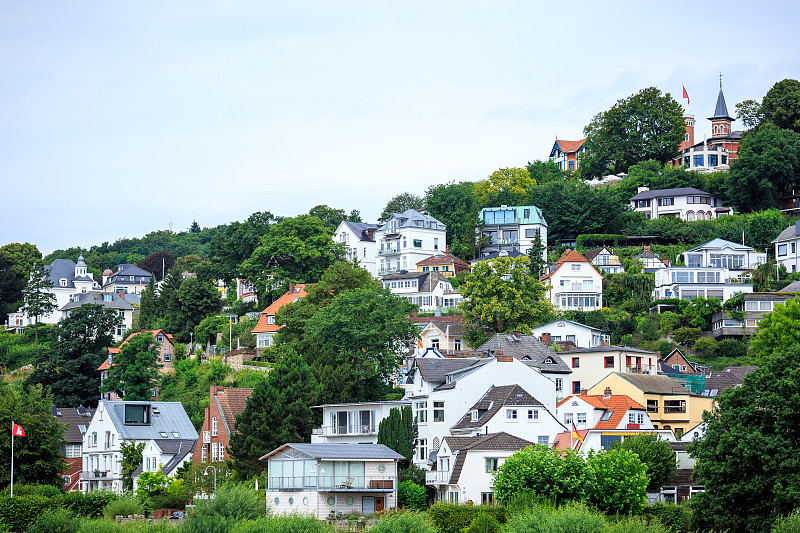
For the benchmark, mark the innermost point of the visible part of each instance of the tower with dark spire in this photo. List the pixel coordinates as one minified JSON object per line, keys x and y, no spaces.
{"x":721,"y":121}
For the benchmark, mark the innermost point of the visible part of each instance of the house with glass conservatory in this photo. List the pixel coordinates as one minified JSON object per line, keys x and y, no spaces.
{"x":328,"y":479}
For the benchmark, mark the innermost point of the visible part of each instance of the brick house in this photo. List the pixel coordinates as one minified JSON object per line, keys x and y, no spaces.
{"x":266,"y":327}
{"x":166,"y":353}
{"x":219,"y":423}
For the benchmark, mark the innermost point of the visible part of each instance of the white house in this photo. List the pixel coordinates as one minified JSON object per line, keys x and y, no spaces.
{"x":108,"y":300}
{"x":428,"y":290}
{"x":531,"y":351}
{"x":590,"y":365}
{"x":127,"y":278}
{"x":650,"y":261}
{"x":605,"y":260}
{"x":465,"y":466}
{"x":406,"y":239}
{"x":445,"y":334}
{"x":165,"y":425}
{"x":719,"y":253}
{"x":512,"y":228}
{"x":710,"y":282}
{"x":603,"y":411}
{"x":266,"y":327}
{"x":358,"y":239}
{"x":353,"y":423}
{"x":566,"y":330}
{"x":686,"y":203}
{"x":574,"y":283}
{"x":786,"y":247}
{"x":328,"y":479}
{"x":603,"y":439}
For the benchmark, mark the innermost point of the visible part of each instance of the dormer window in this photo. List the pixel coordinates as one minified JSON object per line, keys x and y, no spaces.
{"x":549,"y":361}
{"x":137,"y":414}
{"x":606,"y":416}
{"x":474,"y":415}
{"x":270,"y":319}
{"x":108,"y":297}
{"x":159,"y":338}
{"x":62,"y":282}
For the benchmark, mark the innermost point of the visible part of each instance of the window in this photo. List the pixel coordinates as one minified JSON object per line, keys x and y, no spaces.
{"x":640,"y":418}
{"x":135,"y":414}
{"x":511,"y":414}
{"x":526,"y":213}
{"x":588,"y":285}
{"x":712,"y":160}
{"x":652,"y":406}
{"x":121,"y":330}
{"x":492,"y":464}
{"x":609,"y":361}
{"x":422,"y":449}
{"x":781,"y":249}
{"x":487,"y":498}
{"x":559,"y":384}
{"x":473,"y":415}
{"x":270,"y":319}
{"x":581,"y":418}
{"x":159,"y":338}
{"x":576,"y":387}
{"x":570,"y":338}
{"x":457,"y":344}
{"x":167,"y":357}
{"x":531,"y":233}
{"x":533,"y":414}
{"x":438,"y":411}
{"x":543,"y":440}
{"x":697,"y":162}
{"x":674,"y":406}
{"x":426,"y":269}
{"x":214,"y":426}
{"x":422,"y":412}
{"x":453,"y":496}
{"x":417,"y":243}
{"x":568,"y":417}
{"x":606,"y":416}
{"x":435,"y":243}
{"x":576,"y":362}
{"x":631,"y":418}
{"x":213,"y":452}
{"x":107,"y":297}
{"x":576,"y":267}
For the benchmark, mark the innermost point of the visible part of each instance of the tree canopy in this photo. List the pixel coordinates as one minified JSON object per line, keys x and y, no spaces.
{"x":781,"y":105}
{"x":504,"y":186}
{"x":134,"y":372}
{"x":654,"y":452}
{"x":401,"y":203}
{"x":16,"y":262}
{"x":37,"y":299}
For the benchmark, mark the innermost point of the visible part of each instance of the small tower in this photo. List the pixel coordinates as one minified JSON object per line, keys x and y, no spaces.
{"x":80,"y":267}
{"x":688,"y":139}
{"x":721,"y":121}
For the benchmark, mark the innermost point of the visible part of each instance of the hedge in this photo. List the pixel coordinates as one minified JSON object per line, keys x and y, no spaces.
{"x":257,"y":363}
{"x":18,"y":513}
{"x":452,"y":518}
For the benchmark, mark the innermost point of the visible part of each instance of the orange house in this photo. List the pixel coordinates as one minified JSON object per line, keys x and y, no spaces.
{"x":266,"y":327}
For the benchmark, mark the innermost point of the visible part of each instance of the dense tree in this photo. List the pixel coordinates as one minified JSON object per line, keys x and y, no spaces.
{"x":329,"y":216}
{"x":37,"y":299}
{"x":195,"y":227}
{"x":149,"y":311}
{"x":68,"y":371}
{"x":749,"y":112}
{"x":504,"y":186}
{"x":544,"y":171}
{"x":131,"y":460}
{"x":768,"y":166}
{"x":228,"y":249}
{"x":549,"y":474}
{"x":454,"y":205}
{"x":135,"y":369}
{"x":198,"y":299}
{"x":158,"y":263}
{"x":781,"y":105}
{"x":616,"y":481}
{"x":499,"y":296}
{"x":777,"y":330}
{"x":398,"y":431}
{"x":400,"y":204}
{"x":537,"y":256}
{"x":16,"y":262}
{"x":37,"y":456}
{"x":748,"y":459}
{"x":295,"y":250}
{"x":279,"y":411}
{"x":646,"y":125}
{"x":654,"y":452}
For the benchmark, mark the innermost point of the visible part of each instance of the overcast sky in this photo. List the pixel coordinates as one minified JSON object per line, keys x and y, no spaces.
{"x":121,"y":118}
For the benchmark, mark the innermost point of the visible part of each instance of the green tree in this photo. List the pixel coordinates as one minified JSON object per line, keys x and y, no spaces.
{"x":195,"y":227}
{"x":686,"y":336}
{"x":412,"y":496}
{"x":700,"y":311}
{"x":135,"y":369}
{"x":230,"y":248}
{"x":747,"y":461}
{"x":454,"y":205}
{"x":749,"y":112}
{"x":37,"y":456}
{"x":279,"y":411}
{"x":777,"y":330}
{"x":509,"y":184}
{"x":295,"y":250}
{"x":768,"y":166}
{"x":781,"y":105}
{"x":646,"y":125}
{"x":548,"y":474}
{"x":400,"y":204}
{"x":158,"y":263}
{"x":149,"y":311}
{"x":536,"y":256}
{"x":329,"y":216}
{"x":616,"y":481}
{"x":501,"y":296}
{"x":654,"y":452}
{"x":38,"y":300}
{"x":398,"y":431}
{"x":131,"y":460}
{"x":198,"y":299}
{"x":16,"y":262}
{"x":631,"y":291}
{"x":68,"y":371}
{"x":667,"y":322}
{"x":705,"y":346}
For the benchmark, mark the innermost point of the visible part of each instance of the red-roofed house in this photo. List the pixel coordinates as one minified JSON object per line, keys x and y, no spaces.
{"x":444,"y":262}
{"x":575,"y":283}
{"x":266,"y":327}
{"x":567,"y":154}
{"x":220,"y":423}
{"x":166,"y":351}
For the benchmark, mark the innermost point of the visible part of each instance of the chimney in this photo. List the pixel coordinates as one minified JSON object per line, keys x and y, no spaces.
{"x":646,"y":247}
{"x":607,"y":392}
{"x":414,"y":313}
{"x":546,"y":338}
{"x":121,"y":293}
{"x":642,"y":189}
{"x":498,"y":352}
{"x":584,"y":392}
{"x":291,"y":287}
{"x":517,"y":334}
{"x":605,"y":343}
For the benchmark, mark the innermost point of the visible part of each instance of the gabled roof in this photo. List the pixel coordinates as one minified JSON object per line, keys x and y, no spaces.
{"x":436,"y":370}
{"x":263,"y":325}
{"x":114,"y":301}
{"x":426,"y":281}
{"x":409,"y":219}
{"x":494,"y":400}
{"x":338,"y":452}
{"x":528,"y":349}
{"x":230,"y":403}
{"x":660,"y":193}
{"x":446,"y":328}
{"x":494,"y":441}
{"x":570,"y":322}
{"x":361,"y":230}
{"x":74,"y":420}
{"x":655,"y":384}
{"x":792,"y":287}
{"x":444,"y":258}
{"x":171,"y":417}
{"x":792,"y":232}
{"x":178,"y":448}
{"x":569,"y":256}
{"x":717,"y":244}
{"x":74,"y":467}
{"x":618,"y":404}
{"x":591,"y":254}
{"x":65,"y":268}
{"x":566,"y":146}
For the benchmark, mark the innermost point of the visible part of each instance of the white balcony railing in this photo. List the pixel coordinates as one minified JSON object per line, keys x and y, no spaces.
{"x":333,"y":483}
{"x":437,"y":477}
{"x":356,"y":429}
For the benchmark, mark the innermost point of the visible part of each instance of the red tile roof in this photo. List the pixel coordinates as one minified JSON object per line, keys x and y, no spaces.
{"x":569,"y":146}
{"x":297,"y":292}
{"x":74,"y":466}
{"x":619,"y":404}
{"x":444,"y":258}
{"x":570,"y":256}
{"x":563,"y":441}
{"x":231,"y":403}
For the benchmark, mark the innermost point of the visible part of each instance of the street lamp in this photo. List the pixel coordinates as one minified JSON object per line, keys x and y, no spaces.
{"x":215,"y":476}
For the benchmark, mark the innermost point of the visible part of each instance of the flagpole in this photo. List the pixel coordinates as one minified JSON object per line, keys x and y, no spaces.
{"x":12,"y":458}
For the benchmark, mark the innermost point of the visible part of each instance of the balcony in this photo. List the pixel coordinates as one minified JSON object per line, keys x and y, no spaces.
{"x":389,"y":251}
{"x":93,"y":475}
{"x":640,"y":369}
{"x":437,"y":477}
{"x":357,"y":429}
{"x":578,"y":288}
{"x":334,"y":483}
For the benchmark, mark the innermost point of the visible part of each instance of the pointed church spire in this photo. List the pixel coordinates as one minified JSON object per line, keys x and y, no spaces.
{"x":721,"y":111}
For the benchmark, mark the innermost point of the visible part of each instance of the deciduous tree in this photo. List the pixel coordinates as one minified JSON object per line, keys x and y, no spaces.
{"x":781,"y":105}
{"x":506,"y":186}
{"x":38,"y":300}
{"x":654,"y":452}
{"x":135,"y":369}
{"x":401,"y":203}
{"x":455,"y":206}
{"x":131,"y":460}
{"x":158,"y":263}
{"x":16,"y":262}
{"x":777,"y":330}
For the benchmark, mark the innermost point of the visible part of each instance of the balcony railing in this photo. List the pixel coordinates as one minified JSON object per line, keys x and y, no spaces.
{"x":437,"y":477}
{"x":578,"y":289}
{"x":355,"y":429}
{"x":389,"y":251}
{"x":334,"y":483}
{"x":640,"y":369}
{"x":95,"y":474}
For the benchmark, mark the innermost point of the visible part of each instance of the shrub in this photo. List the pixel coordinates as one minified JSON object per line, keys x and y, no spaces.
{"x":627,"y":340}
{"x":686,"y":336}
{"x":572,"y":517}
{"x":676,"y":518}
{"x":124,"y":506}
{"x":403,"y":523}
{"x":483,"y":523}
{"x":731,"y":348}
{"x":58,"y":521}
{"x":88,"y":504}
{"x":452,"y":518}
{"x":787,"y":524}
{"x":411,"y":495}
{"x":637,"y":524}
{"x":667,"y":322}
{"x":545,"y":472}
{"x":282,"y":524}
{"x":16,"y":513}
{"x":231,"y":503}
{"x":705,"y":346}
{"x":616,"y":481}
{"x":27,"y":489}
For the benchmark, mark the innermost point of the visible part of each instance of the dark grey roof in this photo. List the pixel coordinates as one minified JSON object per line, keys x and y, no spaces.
{"x":792,"y":287}
{"x":612,"y":348}
{"x":792,"y":232}
{"x":171,"y":418}
{"x":660,"y":193}
{"x":178,"y":448}
{"x":99,"y":298}
{"x":125,"y":271}
{"x":360,"y":229}
{"x":73,"y":420}
{"x":409,"y":218}
{"x":721,"y":110}
{"x":494,"y":400}
{"x":426,"y":281}
{"x":63,"y":268}
{"x":655,"y":384}
{"x":436,"y":370}
{"x":493,"y":441}
{"x":528,"y":349}
{"x":339,"y":451}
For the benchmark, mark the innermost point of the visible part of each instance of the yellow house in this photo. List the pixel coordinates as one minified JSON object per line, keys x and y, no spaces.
{"x":669,"y":404}
{"x":446,"y":263}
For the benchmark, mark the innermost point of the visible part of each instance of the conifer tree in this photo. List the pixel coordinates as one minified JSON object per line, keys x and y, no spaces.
{"x":398,"y":431}
{"x":38,"y":300}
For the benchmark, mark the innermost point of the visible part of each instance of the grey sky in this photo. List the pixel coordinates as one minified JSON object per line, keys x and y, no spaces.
{"x":119,"y":118}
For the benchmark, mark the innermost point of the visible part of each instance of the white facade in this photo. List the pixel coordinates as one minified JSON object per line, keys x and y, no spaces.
{"x":687,"y":283}
{"x":428,"y":290}
{"x":358,"y":240}
{"x":606,"y":261}
{"x":685,"y":203}
{"x":513,"y":228}
{"x":602,"y":439}
{"x":406,"y":239}
{"x":720,"y":253}
{"x":787,"y":248}
{"x":587,"y":412}
{"x":590,"y":365}
{"x":568,"y":331}
{"x":575,"y":284}
{"x":353,"y":423}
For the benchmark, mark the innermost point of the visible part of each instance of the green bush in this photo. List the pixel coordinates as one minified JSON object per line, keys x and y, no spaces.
{"x":411,"y":495}
{"x":49,"y":491}
{"x":686,"y":336}
{"x":705,"y":346}
{"x":452,"y":518}
{"x":16,"y":514}
{"x":676,"y":518}
{"x":616,"y":481}
{"x":637,"y":524}
{"x":231,"y":503}
{"x":58,"y":521}
{"x":124,"y":506}
{"x":282,"y":524}
{"x":403,"y":523}
{"x":569,"y":518}
{"x":787,"y":524}
{"x":483,"y":523}
{"x":731,"y":348}
{"x":88,"y":504}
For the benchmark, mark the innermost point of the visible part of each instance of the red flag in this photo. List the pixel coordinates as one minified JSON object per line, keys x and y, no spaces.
{"x":685,"y":95}
{"x":17,"y":430}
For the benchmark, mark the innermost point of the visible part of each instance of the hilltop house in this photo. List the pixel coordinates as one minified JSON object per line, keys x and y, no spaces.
{"x":445,"y":334}
{"x":686,"y":203}
{"x":266,"y":327}
{"x":353,"y":423}
{"x":126,"y":278}
{"x":574,"y":283}
{"x":109,"y":300}
{"x":580,"y":335}
{"x":719,"y":253}
{"x":786,"y":247}
{"x":359,"y":242}
{"x":567,"y":154}
{"x":605,"y":260}
{"x":428,"y":290}
{"x":406,"y":239}
{"x":512,"y":228}
{"x":444,"y":262}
